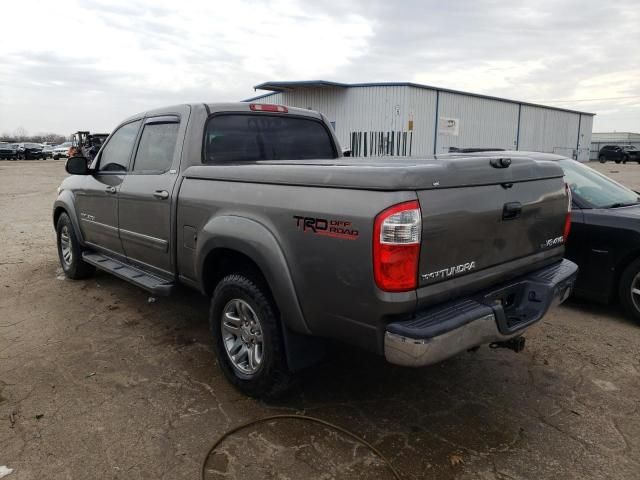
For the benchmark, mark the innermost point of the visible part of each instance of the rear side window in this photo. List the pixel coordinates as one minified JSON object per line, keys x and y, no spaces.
{"x":253,"y":137}
{"x":156,"y":149}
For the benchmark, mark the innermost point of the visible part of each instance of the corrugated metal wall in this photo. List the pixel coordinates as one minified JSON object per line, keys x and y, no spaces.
{"x":551,"y":131}
{"x":401,"y":120}
{"x":482,"y":122}
{"x":616,"y":137}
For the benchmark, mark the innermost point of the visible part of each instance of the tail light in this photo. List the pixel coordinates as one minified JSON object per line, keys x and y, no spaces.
{"x":567,"y":218}
{"x":396,"y":247}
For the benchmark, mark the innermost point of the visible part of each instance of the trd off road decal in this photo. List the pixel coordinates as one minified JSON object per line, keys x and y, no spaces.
{"x":326,"y":227}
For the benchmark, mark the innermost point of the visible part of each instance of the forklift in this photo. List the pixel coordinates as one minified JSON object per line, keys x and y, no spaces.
{"x":88,"y":144}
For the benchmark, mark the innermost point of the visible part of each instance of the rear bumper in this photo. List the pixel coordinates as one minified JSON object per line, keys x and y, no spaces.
{"x":494,"y":315}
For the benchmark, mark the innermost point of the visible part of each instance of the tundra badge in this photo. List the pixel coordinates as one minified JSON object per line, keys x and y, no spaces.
{"x":450,"y":271}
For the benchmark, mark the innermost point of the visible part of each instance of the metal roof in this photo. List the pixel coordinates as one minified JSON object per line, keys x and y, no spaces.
{"x":291,"y":85}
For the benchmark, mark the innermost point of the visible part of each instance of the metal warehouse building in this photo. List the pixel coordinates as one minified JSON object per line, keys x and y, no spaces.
{"x":374,"y":119}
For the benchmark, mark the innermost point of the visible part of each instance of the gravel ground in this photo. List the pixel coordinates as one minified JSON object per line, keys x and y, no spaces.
{"x":97,"y":382}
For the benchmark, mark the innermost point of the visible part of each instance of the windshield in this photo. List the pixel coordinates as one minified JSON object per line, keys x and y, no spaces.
{"x":32,"y":145}
{"x":595,"y":189}
{"x":629,"y":147}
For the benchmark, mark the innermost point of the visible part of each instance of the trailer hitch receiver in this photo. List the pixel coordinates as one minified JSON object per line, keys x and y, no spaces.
{"x":516,"y":344}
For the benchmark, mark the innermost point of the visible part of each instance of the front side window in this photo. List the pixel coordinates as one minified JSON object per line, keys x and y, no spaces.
{"x":156,"y":149}
{"x":255,"y":137}
{"x":116,"y":153}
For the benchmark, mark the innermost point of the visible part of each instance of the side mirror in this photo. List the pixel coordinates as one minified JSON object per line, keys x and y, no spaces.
{"x":346,"y":152}
{"x":77,"y":166}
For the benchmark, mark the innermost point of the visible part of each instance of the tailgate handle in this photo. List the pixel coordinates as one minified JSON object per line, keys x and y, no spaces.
{"x":511,"y":210}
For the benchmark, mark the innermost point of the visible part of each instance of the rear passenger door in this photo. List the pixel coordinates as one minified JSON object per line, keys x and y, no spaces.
{"x":146,"y":196}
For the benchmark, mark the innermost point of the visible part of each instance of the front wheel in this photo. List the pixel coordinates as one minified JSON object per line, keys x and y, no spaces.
{"x":629,"y":290}
{"x":69,"y":251}
{"x":618,"y":160}
{"x":602,"y":159}
{"x":247,"y":338}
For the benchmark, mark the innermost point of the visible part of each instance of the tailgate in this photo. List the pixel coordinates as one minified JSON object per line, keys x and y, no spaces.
{"x":470,"y":228}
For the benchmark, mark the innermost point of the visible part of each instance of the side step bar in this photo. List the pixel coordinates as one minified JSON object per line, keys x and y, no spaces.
{"x":142,"y":279}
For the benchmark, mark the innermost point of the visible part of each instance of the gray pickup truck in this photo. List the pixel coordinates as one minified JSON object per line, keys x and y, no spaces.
{"x":255,"y":206}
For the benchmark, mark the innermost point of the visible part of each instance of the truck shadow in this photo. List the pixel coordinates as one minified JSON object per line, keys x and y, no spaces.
{"x":487,"y":411}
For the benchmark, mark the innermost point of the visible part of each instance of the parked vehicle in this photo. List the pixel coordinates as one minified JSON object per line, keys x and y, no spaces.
{"x":254,"y":206}
{"x":8,"y":151}
{"x":47,"y":151}
{"x":605,"y":234}
{"x":61,"y":151}
{"x":30,"y":151}
{"x":619,"y":153}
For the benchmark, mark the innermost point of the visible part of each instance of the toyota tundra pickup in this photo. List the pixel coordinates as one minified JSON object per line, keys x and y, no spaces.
{"x":254,"y":205}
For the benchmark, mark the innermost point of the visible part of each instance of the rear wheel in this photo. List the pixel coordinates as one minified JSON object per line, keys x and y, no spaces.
{"x":69,"y":251}
{"x":618,"y":160}
{"x":602,"y":159}
{"x":629,"y":290}
{"x":247,"y":337}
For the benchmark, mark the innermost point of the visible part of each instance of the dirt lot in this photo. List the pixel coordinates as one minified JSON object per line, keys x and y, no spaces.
{"x":96,"y":382}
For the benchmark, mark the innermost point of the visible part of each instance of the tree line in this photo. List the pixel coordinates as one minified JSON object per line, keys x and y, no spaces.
{"x":20,"y":135}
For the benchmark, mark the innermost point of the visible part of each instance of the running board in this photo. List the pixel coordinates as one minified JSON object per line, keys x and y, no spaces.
{"x":142,"y":279}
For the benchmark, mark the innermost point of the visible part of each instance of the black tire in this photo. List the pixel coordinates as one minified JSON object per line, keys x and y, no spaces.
{"x":629,"y":281}
{"x":74,"y":268}
{"x":625,"y":159}
{"x":272,"y":377}
{"x":602,"y":159}
{"x":617,"y":160}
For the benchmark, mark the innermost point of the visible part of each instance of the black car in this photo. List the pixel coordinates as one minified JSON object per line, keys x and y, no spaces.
{"x":619,"y":153}
{"x":30,"y":151}
{"x":604,"y":239}
{"x":8,"y":151}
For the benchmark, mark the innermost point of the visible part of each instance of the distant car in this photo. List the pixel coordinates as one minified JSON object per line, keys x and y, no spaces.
{"x":47,"y":151}
{"x":61,"y":151}
{"x":30,"y":151}
{"x":605,"y":234}
{"x":8,"y":151}
{"x":619,"y":153}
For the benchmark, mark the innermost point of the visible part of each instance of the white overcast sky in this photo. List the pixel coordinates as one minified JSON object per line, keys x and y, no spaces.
{"x":67,"y":65}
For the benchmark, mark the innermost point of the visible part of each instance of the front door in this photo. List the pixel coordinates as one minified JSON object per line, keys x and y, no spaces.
{"x":145,"y":198}
{"x":97,"y":199}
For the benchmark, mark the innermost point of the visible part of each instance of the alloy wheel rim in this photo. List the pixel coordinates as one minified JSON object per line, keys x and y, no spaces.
{"x":65,"y":246}
{"x":242,"y":336}
{"x":635,"y":291}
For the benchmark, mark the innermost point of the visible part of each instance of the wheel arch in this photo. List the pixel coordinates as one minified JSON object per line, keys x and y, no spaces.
{"x":622,"y":265}
{"x":233,"y":243}
{"x":64,"y":204}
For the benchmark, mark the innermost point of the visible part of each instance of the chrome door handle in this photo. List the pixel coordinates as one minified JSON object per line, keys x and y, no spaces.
{"x":161,"y":194}
{"x":110,"y":190}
